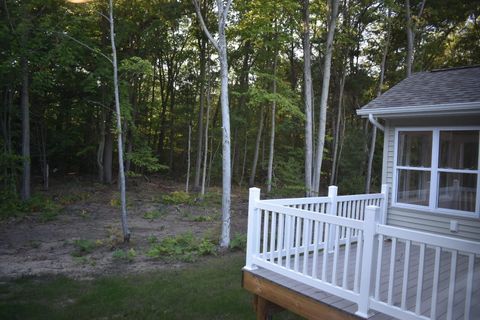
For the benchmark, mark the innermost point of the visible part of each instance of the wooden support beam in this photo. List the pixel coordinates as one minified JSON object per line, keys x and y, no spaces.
{"x":265,"y":309}
{"x":269,"y":293}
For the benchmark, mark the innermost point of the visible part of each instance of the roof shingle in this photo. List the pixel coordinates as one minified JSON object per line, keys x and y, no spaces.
{"x":438,"y":87}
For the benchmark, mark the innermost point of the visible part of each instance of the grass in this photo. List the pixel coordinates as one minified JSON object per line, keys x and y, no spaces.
{"x":210,"y":289}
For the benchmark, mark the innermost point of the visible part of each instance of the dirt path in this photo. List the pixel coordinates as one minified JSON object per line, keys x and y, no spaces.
{"x":90,"y":219}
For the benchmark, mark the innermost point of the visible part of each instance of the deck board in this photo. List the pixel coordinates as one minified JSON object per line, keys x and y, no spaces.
{"x":413,"y":271}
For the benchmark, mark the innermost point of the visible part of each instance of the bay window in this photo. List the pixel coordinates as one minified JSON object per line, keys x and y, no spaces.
{"x":438,"y":170}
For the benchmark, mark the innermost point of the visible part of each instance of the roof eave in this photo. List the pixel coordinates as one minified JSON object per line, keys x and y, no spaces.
{"x":468,"y":108}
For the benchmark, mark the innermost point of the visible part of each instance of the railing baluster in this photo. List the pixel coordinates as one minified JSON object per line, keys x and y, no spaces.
{"x":418,"y":302}
{"x":335,"y":255}
{"x":451,"y":286}
{"x":379,"y":266}
{"x":406,"y":265}
{"x":288,"y":239}
{"x":265,"y":234}
{"x":259,"y":224}
{"x":316,"y":232}
{"x":468,"y":297}
{"x":306,"y":243}
{"x":325,"y":252}
{"x":436,"y":274}
{"x":273,"y":233}
{"x":281,"y":222}
{"x":346,"y":257}
{"x":297,"y":243}
{"x":356,"y":281}
{"x":391,"y":273}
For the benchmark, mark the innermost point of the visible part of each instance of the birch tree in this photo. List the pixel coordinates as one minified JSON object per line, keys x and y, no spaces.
{"x":333,"y":4}
{"x":121,"y":171}
{"x":220,"y":45}
{"x":114,"y":62}
{"x":410,"y":27}
{"x":307,"y":87}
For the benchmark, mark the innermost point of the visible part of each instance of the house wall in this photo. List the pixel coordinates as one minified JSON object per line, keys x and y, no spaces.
{"x":468,"y":228}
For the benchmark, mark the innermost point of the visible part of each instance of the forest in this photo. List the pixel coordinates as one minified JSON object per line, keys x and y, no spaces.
{"x":296,"y":73}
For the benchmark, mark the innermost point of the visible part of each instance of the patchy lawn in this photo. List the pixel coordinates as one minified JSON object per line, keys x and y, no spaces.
{"x":209,"y":289}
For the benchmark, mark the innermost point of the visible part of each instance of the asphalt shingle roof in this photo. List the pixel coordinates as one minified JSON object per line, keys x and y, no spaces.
{"x":438,"y":87}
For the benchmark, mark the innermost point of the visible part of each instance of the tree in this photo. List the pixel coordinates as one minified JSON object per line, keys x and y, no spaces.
{"x":221,"y":46}
{"x":324,"y":97}
{"x":121,"y":170}
{"x":308,"y":99}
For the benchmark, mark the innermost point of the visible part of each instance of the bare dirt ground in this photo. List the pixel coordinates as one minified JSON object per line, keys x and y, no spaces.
{"x":29,"y":246}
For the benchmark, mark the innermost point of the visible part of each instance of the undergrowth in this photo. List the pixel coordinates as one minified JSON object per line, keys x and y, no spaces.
{"x":185,"y":247}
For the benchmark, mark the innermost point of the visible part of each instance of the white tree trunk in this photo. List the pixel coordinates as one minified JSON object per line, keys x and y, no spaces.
{"x":121,"y":172}
{"x":188,"y":157}
{"x":205,"y":152}
{"x":221,"y":46}
{"x":307,"y":75}
{"x":25,"y":107}
{"x":324,"y":96}
{"x":272,"y":129}
{"x":410,"y":38}
{"x":337,"y":126}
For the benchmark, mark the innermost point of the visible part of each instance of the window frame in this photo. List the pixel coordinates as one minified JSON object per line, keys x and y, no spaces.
{"x":434,"y":173}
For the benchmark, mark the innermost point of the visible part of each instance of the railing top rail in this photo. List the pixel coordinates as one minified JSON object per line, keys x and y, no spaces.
{"x":351,"y":223}
{"x":308,"y":200}
{"x":445,"y":242}
{"x":361,"y":197}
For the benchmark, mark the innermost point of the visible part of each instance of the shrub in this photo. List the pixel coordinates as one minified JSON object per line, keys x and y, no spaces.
{"x":185,"y":247}
{"x":126,"y":255}
{"x":178,"y":197}
{"x":239,"y":242}
{"x":153,"y":214}
{"x":83,"y":247}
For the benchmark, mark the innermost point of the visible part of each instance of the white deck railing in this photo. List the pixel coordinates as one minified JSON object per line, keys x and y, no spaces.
{"x":338,"y":244}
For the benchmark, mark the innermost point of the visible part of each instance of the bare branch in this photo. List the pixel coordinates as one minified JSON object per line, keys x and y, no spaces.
{"x":226,"y":8}
{"x":85,"y":45}
{"x":203,"y":26}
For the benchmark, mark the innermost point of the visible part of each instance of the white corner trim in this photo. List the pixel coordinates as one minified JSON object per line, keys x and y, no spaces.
{"x":437,"y":109}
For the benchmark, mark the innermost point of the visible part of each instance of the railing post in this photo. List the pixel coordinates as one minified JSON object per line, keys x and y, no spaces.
{"x":332,"y":194}
{"x":383,"y":213}
{"x":369,"y":258}
{"x":253,"y":229}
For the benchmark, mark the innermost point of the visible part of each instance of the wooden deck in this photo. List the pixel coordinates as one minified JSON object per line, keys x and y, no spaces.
{"x":346,"y":277}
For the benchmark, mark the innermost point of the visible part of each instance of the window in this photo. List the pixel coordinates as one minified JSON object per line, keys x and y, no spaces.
{"x":438,"y":170}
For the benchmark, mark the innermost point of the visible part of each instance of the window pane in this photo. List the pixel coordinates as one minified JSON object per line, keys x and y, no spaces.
{"x":457,"y":191}
{"x":458,"y":149}
{"x":413,"y":187}
{"x":415,"y":148}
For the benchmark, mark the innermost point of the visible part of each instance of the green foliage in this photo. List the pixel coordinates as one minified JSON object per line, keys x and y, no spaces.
{"x":154,"y":214}
{"x":152,"y":239}
{"x":125,"y":255}
{"x":239,"y":242}
{"x":83,"y":247}
{"x":144,"y":159}
{"x":46,"y":208}
{"x":185,"y":247}
{"x":178,"y":197}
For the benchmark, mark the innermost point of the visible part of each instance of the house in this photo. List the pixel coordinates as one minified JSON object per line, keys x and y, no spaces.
{"x":431,"y":151}
{"x":411,"y":251}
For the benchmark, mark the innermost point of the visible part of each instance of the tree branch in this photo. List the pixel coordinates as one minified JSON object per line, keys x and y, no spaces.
{"x":203,"y":26}
{"x":85,"y":45}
